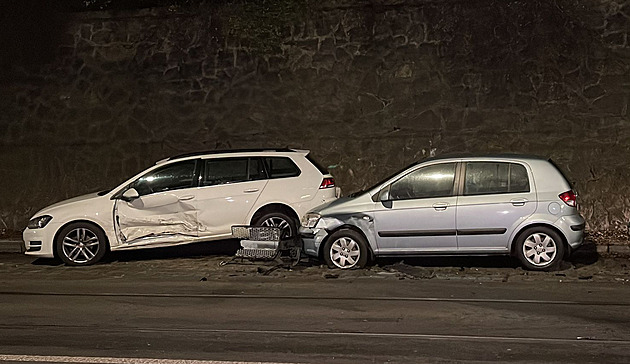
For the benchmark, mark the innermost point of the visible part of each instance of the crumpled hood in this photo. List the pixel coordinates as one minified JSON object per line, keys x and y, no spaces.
{"x":346,"y":204}
{"x":332,"y":204}
{"x":65,"y":203}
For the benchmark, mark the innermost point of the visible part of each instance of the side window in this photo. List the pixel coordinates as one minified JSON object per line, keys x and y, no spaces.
{"x":519,"y":182}
{"x":281,"y":167}
{"x":483,"y":178}
{"x":431,"y":181}
{"x":171,"y":177}
{"x":232,"y":170}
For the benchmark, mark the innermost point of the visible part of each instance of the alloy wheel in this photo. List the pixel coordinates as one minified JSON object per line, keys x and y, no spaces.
{"x":81,"y":245}
{"x":539,"y":249}
{"x":279,"y":222}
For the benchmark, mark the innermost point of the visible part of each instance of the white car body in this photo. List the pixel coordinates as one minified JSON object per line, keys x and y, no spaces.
{"x":190,"y":214}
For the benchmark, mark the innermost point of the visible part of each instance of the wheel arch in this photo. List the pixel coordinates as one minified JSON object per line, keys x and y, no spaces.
{"x":565,"y":243}
{"x":107,"y":245}
{"x":320,"y":253}
{"x":271,"y":207}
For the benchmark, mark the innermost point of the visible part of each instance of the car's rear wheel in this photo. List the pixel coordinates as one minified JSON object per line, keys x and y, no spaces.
{"x":81,"y":244}
{"x":346,"y":249}
{"x":540,"y":248}
{"x":280,"y":220}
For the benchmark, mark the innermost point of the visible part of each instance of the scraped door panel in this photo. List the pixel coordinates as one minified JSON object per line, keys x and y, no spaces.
{"x":165,"y":217}
{"x":165,"y":212}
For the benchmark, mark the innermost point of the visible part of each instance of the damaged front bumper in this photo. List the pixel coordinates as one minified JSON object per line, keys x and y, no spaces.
{"x":312,"y":239}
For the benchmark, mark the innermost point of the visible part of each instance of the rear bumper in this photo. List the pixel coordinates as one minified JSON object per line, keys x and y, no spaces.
{"x":572,"y":226}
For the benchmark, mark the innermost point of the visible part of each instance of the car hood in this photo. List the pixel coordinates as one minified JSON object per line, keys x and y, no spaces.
{"x":72,"y":201}
{"x":346,"y":204}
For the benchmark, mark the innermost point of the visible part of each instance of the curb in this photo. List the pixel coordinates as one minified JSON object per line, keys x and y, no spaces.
{"x":11,"y":246}
{"x":613,"y":249}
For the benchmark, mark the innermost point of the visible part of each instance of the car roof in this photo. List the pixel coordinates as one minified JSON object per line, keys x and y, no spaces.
{"x":233,"y":151}
{"x":516,"y":156}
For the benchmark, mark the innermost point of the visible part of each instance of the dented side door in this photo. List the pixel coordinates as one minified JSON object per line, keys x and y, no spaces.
{"x":165,"y":211}
{"x":157,"y":218}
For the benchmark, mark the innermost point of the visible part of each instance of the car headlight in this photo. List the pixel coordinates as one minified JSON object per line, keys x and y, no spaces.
{"x":39,"y":222}
{"x":310,"y":220}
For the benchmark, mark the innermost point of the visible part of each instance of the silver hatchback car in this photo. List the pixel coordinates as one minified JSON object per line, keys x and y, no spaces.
{"x":504,"y":204}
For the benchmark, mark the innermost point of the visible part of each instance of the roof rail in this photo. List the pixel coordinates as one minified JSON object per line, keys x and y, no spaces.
{"x":222,"y":151}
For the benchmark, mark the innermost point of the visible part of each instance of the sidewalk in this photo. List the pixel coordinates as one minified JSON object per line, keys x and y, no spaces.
{"x":10,"y":246}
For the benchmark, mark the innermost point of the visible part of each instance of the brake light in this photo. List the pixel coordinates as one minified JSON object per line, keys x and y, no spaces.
{"x":327,"y":182}
{"x":569,"y":198}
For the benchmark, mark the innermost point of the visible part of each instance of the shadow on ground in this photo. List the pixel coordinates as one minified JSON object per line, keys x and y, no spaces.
{"x":220,"y":247}
{"x":585,"y":256}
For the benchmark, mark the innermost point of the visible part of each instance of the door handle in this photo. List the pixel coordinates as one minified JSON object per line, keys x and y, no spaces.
{"x":518,"y":201}
{"x":186,"y":198}
{"x":439,"y":206}
{"x":251,"y":190}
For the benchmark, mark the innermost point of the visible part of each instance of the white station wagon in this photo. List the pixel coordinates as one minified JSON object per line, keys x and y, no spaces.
{"x":188,"y":198}
{"x":506,"y":204}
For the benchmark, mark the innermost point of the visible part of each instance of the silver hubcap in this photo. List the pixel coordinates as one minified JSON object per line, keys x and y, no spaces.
{"x":345,"y":253}
{"x":80,"y":245}
{"x":279,"y":223}
{"x":539,"y":249}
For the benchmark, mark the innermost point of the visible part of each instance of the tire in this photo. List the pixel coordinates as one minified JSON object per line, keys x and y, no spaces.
{"x":346,"y":249}
{"x":540,"y":248}
{"x":281,"y":220}
{"x":80,"y":244}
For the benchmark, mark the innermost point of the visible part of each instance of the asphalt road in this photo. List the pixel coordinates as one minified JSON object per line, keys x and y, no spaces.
{"x":173,"y":307}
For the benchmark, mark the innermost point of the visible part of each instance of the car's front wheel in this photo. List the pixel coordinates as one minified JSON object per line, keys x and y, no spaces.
{"x":540,"y":248}
{"x":81,"y":243}
{"x":346,"y":249}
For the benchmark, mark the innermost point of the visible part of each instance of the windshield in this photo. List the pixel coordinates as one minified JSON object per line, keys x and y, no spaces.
{"x":354,"y":194}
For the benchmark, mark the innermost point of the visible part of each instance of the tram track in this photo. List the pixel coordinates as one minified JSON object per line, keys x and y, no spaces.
{"x":176,"y":331}
{"x":319,"y":298}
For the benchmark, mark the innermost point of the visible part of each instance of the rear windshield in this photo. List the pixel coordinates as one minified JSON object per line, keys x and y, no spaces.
{"x":317,"y":165}
{"x":561,"y":173}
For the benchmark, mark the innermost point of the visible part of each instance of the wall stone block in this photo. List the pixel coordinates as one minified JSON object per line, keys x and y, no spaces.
{"x":367,"y":86}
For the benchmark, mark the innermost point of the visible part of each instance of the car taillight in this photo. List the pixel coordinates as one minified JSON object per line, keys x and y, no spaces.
{"x":327,"y":182}
{"x":569,"y":198}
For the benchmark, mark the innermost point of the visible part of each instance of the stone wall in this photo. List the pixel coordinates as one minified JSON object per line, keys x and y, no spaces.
{"x":369,"y":87}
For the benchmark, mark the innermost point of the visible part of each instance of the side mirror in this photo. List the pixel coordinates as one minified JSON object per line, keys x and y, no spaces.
{"x":384,"y":195}
{"x":130,"y":195}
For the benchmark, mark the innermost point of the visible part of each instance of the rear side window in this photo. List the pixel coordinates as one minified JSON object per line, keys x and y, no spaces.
{"x":232,"y":170}
{"x":281,"y":167}
{"x":484,"y":178}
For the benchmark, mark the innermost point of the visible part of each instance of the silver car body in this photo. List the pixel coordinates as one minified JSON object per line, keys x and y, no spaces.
{"x":455,"y":224}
